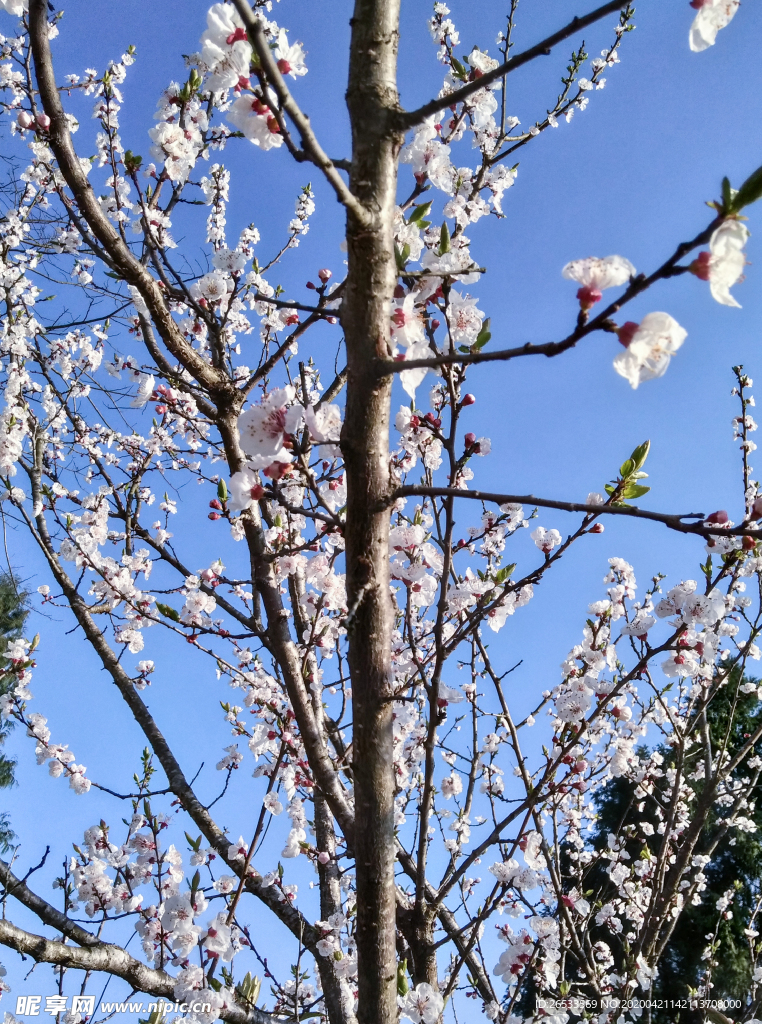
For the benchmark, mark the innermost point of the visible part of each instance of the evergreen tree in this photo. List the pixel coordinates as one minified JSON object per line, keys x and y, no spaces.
{"x":736,"y":865}
{"x":13,"y":613}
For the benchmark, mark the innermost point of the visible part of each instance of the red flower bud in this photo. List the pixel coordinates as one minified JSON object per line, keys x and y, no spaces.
{"x":719,"y":518}
{"x":215,"y":515}
{"x":215,"y":503}
{"x":588,"y":296}
{"x":748,"y":543}
{"x":469,"y":439}
{"x":467,"y":400}
{"x":627,"y":332}
{"x":700,"y":266}
{"x":597,"y":528}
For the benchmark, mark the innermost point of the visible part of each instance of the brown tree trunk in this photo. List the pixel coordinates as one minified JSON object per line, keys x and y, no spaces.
{"x":371,"y":99}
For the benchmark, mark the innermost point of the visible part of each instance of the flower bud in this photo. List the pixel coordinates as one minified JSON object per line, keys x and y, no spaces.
{"x":588,"y":296}
{"x":24,"y":119}
{"x":215,"y":503}
{"x":435,"y":324}
{"x":597,"y":528}
{"x":627,"y":332}
{"x":325,"y":275}
{"x":748,"y":543}
{"x":700,"y":266}
{"x":215,"y":515}
{"x":756,"y":509}
{"x":277,"y":470}
{"x":257,"y":491}
{"x":718,"y":518}
{"x":467,"y":400}
{"x":469,"y":439}
{"x":43,"y":121}
{"x":311,"y":286}
{"x":324,"y":857}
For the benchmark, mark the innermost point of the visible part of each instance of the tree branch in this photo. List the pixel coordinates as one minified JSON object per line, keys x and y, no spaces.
{"x":113,"y":960}
{"x":601,"y":322}
{"x":312,"y":147}
{"x":674,"y":522}
{"x":125,"y":263}
{"x":408,"y":119}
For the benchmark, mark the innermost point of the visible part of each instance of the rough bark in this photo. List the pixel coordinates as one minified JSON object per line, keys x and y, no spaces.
{"x":112,"y":960}
{"x":372,"y":99}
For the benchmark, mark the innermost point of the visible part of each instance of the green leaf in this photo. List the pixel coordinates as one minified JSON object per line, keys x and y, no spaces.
{"x":418,"y":215}
{"x":222,"y":491}
{"x":635,"y":491}
{"x":609,"y":488}
{"x":483,"y":336}
{"x":402,"y":986}
{"x":640,"y":454}
{"x":249,"y":988}
{"x":503,"y":574}
{"x":748,"y":193}
{"x":727,"y":194}
{"x":626,"y":468}
{"x":401,"y":256}
{"x":458,"y":68}
{"x":444,"y":239}
{"x":167,"y":610}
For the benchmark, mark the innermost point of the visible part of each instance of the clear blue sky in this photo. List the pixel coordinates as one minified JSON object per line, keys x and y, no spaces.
{"x":630,"y":176}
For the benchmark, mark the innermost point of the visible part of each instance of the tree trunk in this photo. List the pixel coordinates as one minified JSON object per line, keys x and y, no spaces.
{"x":371,"y":278}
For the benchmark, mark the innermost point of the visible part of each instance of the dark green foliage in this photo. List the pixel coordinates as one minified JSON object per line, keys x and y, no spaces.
{"x":13,"y":613}
{"x":736,"y":864}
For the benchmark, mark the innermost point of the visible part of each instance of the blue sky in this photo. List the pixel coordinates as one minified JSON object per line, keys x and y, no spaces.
{"x":630,"y":175}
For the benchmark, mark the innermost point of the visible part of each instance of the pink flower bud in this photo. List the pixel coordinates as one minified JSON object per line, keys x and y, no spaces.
{"x":700,"y":266}
{"x":43,"y":121}
{"x":698,"y":4}
{"x":588,"y":296}
{"x":161,"y":409}
{"x":718,"y":518}
{"x":468,"y":400}
{"x":215,"y":503}
{"x":469,"y":439}
{"x":325,"y":275}
{"x":435,"y":324}
{"x":627,"y":332}
{"x":324,"y":857}
{"x":748,"y":543}
{"x":215,"y":515}
{"x":277,"y":470}
{"x":24,"y":120}
{"x":756,"y":509}
{"x":597,"y":528}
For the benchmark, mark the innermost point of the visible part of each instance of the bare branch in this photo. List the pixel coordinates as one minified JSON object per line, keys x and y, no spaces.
{"x":674,"y":522}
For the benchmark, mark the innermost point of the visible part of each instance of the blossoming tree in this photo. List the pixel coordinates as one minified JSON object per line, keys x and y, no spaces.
{"x":350,"y":593}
